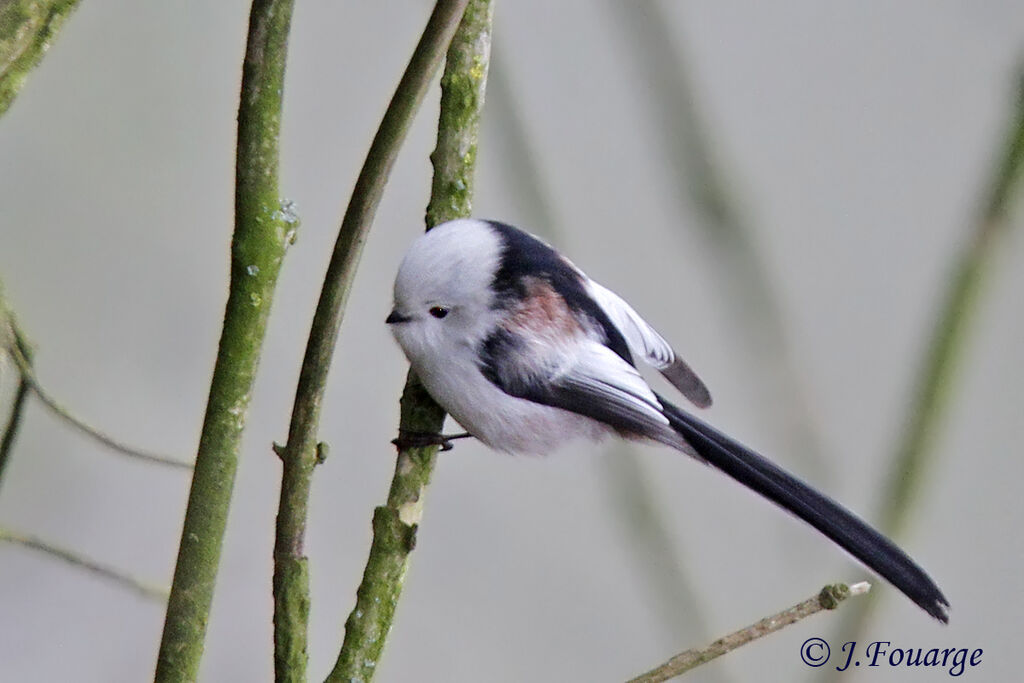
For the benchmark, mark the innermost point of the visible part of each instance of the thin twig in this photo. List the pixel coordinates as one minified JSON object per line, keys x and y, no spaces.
{"x":13,"y":424}
{"x":15,"y":341}
{"x":658,"y":554}
{"x":19,"y":351}
{"x":147,"y":590}
{"x":947,"y":342}
{"x":299,"y":456}
{"x":946,"y":346}
{"x":520,"y":155}
{"x":264,"y":227}
{"x":395,"y":524}
{"x":828,"y":598}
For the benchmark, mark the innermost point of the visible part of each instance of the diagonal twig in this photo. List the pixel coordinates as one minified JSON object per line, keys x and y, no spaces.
{"x":145,"y":589}
{"x":828,"y":598}
{"x":19,"y":351}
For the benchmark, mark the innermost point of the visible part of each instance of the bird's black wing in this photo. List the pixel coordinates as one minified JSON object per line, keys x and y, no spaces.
{"x":584,"y":377}
{"x":526,"y":260}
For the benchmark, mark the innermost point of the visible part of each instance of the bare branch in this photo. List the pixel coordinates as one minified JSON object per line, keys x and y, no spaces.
{"x":828,"y":598}
{"x":17,"y":346}
{"x":147,"y":590}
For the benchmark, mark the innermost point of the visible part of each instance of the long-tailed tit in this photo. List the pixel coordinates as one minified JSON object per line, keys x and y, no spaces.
{"x":527,"y":352}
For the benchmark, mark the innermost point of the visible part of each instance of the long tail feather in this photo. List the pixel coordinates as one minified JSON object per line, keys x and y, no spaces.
{"x":839,"y":524}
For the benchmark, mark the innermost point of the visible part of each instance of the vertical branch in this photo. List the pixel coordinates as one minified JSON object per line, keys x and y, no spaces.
{"x":462,"y":101}
{"x":395,"y":524}
{"x":300,"y":455}
{"x":937,"y":376}
{"x":27,"y":29}
{"x":263,"y":229}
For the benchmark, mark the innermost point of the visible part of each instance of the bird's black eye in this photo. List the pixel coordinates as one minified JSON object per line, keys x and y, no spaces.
{"x":438,"y":311}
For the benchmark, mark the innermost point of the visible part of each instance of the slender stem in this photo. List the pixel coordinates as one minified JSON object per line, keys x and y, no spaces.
{"x":145,"y":589}
{"x":27,"y":29}
{"x":18,"y":345}
{"x":521,"y":156}
{"x":660,"y":568}
{"x":938,"y":373}
{"x":300,"y":455}
{"x":945,"y":351}
{"x":396,"y":523}
{"x":264,"y":226}
{"x":828,"y":598}
{"x":13,"y":424}
{"x":19,"y":350}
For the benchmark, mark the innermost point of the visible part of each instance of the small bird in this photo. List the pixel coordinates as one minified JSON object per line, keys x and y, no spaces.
{"x":526,"y":352}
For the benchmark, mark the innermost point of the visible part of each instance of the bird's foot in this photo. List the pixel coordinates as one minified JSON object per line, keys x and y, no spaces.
{"x":412,"y":439}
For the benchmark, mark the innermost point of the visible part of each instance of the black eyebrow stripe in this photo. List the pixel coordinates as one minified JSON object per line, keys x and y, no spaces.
{"x":524,"y":256}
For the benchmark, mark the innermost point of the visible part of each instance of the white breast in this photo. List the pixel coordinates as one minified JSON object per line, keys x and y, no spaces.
{"x":501,"y":421}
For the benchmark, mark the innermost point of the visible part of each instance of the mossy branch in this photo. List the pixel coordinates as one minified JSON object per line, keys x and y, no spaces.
{"x":27,"y":29}
{"x":264,"y":226}
{"x":396,"y":523}
{"x":301,"y":453}
{"x":946,"y":346}
{"x":827,"y":598}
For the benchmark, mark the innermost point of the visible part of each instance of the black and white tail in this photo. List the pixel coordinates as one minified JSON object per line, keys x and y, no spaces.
{"x":851,"y":533}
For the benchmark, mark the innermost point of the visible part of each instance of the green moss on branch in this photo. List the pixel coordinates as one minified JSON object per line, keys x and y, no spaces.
{"x":27,"y":29}
{"x":302,"y":452}
{"x":264,"y":226}
{"x":396,"y":523}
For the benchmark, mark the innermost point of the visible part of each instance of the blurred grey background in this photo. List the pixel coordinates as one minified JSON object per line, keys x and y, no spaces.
{"x":857,"y":139}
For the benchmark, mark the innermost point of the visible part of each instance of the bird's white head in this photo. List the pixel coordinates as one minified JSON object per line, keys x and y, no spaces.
{"x":443,"y":298}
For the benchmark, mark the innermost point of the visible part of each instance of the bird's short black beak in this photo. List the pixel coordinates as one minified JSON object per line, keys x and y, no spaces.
{"x":396,"y":317}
